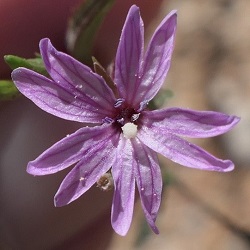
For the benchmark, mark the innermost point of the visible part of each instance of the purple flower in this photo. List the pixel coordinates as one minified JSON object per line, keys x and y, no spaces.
{"x":125,"y":136}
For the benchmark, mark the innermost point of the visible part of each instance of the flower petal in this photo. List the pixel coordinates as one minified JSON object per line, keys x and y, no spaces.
{"x":96,"y":161}
{"x":71,"y":149}
{"x":123,"y":175}
{"x":77,"y":78}
{"x":149,"y":181}
{"x":190,"y":123}
{"x":157,"y":59}
{"x":129,"y":55}
{"x":181,"y":151}
{"x":55,"y":99}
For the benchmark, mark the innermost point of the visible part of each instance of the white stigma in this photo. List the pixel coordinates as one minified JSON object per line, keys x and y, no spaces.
{"x":129,"y":130}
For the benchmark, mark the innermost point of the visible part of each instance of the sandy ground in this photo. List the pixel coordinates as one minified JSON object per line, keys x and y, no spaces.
{"x":210,"y":71}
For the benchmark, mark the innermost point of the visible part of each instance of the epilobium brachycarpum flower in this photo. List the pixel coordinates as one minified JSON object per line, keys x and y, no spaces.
{"x":126,"y":136}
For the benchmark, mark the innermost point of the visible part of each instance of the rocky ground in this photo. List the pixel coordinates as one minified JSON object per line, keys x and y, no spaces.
{"x":210,"y":71}
{"x":200,"y":210}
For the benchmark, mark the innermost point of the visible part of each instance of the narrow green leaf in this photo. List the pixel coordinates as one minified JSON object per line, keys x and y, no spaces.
{"x":35,"y":64}
{"x":83,"y":27}
{"x":8,"y":90}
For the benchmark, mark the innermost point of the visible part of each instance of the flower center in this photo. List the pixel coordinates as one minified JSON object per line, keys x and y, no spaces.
{"x":126,"y":115}
{"x":126,"y":119}
{"x":129,"y":130}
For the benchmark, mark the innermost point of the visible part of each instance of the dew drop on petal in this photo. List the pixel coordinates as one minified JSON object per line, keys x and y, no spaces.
{"x":80,"y":86}
{"x":83,"y":180}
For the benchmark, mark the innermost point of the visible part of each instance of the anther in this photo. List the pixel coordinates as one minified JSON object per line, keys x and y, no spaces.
{"x":142,"y":106}
{"x":118,"y":102}
{"x":107,"y":120}
{"x":134,"y":117}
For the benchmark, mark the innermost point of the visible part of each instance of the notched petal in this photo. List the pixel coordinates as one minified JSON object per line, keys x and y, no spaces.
{"x":181,"y":151}
{"x":71,"y":149}
{"x":189,"y":123}
{"x":157,"y":59}
{"x":77,"y":78}
{"x":123,"y":199}
{"x":55,"y":99}
{"x":129,"y":55}
{"x":95,"y":162}
{"x":149,"y":181}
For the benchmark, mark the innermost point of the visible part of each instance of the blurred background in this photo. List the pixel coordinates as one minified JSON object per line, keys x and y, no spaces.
{"x":210,"y":71}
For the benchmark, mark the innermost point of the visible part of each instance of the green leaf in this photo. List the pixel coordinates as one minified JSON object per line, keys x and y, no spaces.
{"x":35,"y":64}
{"x":8,"y":90}
{"x":83,"y":27}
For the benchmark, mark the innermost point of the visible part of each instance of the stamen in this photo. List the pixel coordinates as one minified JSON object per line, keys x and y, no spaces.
{"x":121,"y":120}
{"x":134,"y":117}
{"x":119,"y":102}
{"x":107,"y":120}
{"x":129,"y":130}
{"x":142,"y":105}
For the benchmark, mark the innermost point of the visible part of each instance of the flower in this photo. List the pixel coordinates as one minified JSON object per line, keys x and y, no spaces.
{"x":125,"y":137}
